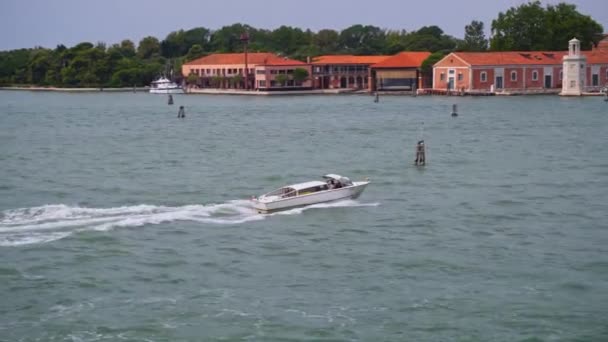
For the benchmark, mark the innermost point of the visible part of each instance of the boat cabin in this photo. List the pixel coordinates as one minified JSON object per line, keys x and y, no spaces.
{"x":331,"y":182}
{"x":298,"y":189}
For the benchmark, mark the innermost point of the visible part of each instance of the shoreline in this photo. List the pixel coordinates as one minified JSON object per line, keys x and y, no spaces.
{"x":77,"y":90}
{"x":208,"y":91}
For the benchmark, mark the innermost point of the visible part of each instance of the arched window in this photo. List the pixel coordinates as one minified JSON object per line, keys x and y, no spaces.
{"x":534,"y":75}
{"x":513,"y":75}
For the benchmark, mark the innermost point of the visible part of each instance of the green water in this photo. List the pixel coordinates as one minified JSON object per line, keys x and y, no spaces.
{"x":119,"y":221}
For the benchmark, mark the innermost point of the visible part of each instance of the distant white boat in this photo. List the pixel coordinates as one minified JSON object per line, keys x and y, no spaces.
{"x":334,"y":187}
{"x":163,"y":85}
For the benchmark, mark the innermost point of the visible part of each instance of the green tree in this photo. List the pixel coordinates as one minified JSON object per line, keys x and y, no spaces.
{"x":362,"y":40}
{"x":427,"y":64}
{"x":287,"y":40}
{"x":217,"y":81}
{"x":326,"y":41}
{"x":532,"y":27}
{"x":394,"y":42}
{"x":300,"y":75}
{"x":474,"y":37}
{"x":195,"y":52}
{"x":38,"y":66}
{"x":565,"y":22}
{"x":148,"y":47}
{"x":281,"y":79}
{"x":429,"y":38}
{"x":228,"y":38}
{"x":237,"y":79}
{"x":192,"y":78}
{"x":127,"y":48}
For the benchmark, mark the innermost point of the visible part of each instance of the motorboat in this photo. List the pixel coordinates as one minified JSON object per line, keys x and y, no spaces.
{"x":163,"y":85}
{"x":333,"y":187}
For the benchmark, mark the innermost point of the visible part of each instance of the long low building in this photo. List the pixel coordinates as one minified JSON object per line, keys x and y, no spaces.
{"x":256,"y":70}
{"x":519,"y":71}
{"x":269,"y":72}
{"x":344,"y":71}
{"x":400,"y":72}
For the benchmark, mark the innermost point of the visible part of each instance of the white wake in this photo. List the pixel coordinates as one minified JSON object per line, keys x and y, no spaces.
{"x":52,"y":222}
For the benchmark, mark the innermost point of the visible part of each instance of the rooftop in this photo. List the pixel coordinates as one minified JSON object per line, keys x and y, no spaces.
{"x":348,"y":59}
{"x":596,"y":56}
{"x":406,"y":59}
{"x":253,"y":58}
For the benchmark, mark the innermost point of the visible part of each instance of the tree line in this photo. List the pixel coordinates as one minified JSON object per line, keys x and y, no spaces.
{"x":526,"y":27}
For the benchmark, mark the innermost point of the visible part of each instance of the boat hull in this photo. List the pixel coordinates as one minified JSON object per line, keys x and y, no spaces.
{"x":167,"y":91}
{"x":349,"y":192}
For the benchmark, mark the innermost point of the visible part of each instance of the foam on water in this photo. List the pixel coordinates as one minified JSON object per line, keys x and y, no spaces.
{"x":48,"y":223}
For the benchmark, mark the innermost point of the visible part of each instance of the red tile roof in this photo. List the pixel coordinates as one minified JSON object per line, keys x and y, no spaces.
{"x":511,"y":57}
{"x":253,"y":58}
{"x":602,"y":44}
{"x":406,"y":59}
{"x":527,"y":57}
{"x":348,"y":59}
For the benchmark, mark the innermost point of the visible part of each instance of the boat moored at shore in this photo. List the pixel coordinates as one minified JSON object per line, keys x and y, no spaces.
{"x":163,"y":85}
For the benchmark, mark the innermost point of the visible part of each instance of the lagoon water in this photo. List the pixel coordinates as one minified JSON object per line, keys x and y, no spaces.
{"x":119,"y":221}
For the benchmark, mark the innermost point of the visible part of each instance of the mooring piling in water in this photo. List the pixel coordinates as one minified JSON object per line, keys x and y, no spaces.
{"x":454,"y":110}
{"x":170,"y":101}
{"x":420,"y":153}
{"x":182,"y":112}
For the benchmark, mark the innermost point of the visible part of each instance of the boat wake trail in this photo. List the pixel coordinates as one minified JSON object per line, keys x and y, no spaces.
{"x":47,"y":223}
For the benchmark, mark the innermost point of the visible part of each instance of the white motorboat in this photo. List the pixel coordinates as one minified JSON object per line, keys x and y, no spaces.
{"x":162,"y":85}
{"x":333,"y":187}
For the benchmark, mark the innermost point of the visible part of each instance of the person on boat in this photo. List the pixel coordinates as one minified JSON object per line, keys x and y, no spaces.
{"x":420,"y":157}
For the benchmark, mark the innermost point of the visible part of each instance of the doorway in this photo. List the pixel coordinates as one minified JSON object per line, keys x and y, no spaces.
{"x":548,"y":82}
{"x":499,"y":82}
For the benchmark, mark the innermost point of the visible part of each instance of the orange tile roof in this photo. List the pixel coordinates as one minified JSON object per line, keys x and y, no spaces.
{"x":253,"y":58}
{"x":596,"y":56}
{"x":348,"y":59}
{"x":284,"y":61}
{"x":406,"y":59}
{"x":602,"y":44}
{"x":527,"y":57}
{"x":512,"y":57}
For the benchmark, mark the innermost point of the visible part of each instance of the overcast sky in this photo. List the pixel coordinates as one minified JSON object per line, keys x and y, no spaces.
{"x":29,"y":23}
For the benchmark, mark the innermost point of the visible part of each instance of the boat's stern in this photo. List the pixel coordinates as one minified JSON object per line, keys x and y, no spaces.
{"x":260,"y":206}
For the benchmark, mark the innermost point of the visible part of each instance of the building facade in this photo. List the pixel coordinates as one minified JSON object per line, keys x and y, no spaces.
{"x":245,"y":71}
{"x":343,"y":71}
{"x":399,"y":72}
{"x":517,"y":71}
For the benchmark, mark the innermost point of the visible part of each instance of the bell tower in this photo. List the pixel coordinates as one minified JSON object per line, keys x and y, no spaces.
{"x":573,"y":70}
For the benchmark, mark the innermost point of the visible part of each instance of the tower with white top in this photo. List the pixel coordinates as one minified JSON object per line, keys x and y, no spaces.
{"x":573,"y":80}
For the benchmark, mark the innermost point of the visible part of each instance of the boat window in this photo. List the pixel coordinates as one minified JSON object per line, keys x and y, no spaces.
{"x":312,"y":189}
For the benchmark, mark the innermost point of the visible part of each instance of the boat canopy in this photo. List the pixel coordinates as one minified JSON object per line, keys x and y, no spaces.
{"x":343,"y":180}
{"x":306,"y":185}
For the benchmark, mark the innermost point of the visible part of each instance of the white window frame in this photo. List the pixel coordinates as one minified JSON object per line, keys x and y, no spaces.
{"x":514,"y":76}
{"x":535,"y":75}
{"x":483,"y":76}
